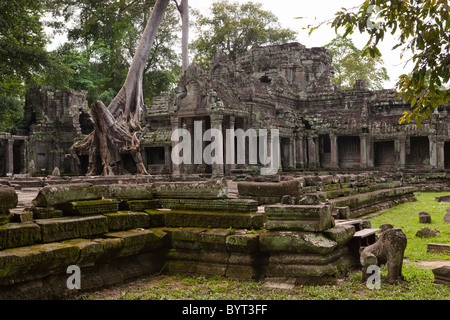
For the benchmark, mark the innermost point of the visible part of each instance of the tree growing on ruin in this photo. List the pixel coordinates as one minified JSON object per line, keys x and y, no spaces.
{"x":183,"y":8}
{"x":422,"y":28}
{"x":234,"y":28}
{"x":117,"y":126}
{"x":350,"y":65}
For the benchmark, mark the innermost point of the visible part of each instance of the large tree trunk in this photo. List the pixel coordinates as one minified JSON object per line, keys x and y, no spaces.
{"x":183,"y":8}
{"x":117,"y":127}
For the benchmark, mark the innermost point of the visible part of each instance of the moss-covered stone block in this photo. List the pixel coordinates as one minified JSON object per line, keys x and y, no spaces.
{"x":89,"y":207}
{"x":14,"y":235}
{"x":187,"y":238}
{"x":59,"y":229}
{"x":34,"y":262}
{"x":8,"y":198}
{"x":157,"y":218}
{"x":342,"y":234}
{"x":127,"y":192}
{"x":124,"y":220}
{"x":215,"y":220}
{"x":139,"y":241}
{"x":46,"y":212}
{"x":211,"y":189}
{"x":240,"y":241}
{"x":220,"y":205}
{"x":299,"y":242}
{"x":214,"y":240}
{"x":52,"y":195}
{"x":139,"y":205}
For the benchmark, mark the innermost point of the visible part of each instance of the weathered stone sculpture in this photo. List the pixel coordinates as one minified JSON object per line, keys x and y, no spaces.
{"x":389,"y":249}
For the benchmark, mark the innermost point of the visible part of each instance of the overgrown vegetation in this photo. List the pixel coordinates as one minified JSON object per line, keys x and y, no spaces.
{"x":418,"y":284}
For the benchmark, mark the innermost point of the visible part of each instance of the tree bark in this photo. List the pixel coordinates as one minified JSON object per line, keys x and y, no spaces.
{"x":117,"y":127}
{"x":183,"y":8}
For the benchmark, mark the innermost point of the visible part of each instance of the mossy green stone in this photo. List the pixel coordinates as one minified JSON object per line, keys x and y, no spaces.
{"x":124,"y":220}
{"x":19,"y":235}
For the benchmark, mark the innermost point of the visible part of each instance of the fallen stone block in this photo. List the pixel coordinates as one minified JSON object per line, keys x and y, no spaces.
{"x":225,"y":205}
{"x":139,"y":241}
{"x":45,"y":212}
{"x":14,"y":235}
{"x":139,"y":205}
{"x":211,"y":189}
{"x":443,"y":198}
{"x":215,"y":220}
{"x":49,"y":196}
{"x":8,"y":198}
{"x":59,"y":229}
{"x":124,"y":220}
{"x":427,"y":233}
{"x":299,"y":217}
{"x":298,"y":242}
{"x":424,"y":217}
{"x":438,"y":248}
{"x":272,"y":189}
{"x":89,"y":207}
{"x":442,"y":275}
{"x":126,"y":192}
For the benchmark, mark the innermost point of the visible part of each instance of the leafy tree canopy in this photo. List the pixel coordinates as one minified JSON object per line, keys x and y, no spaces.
{"x":351,"y":65}
{"x":422,"y":27}
{"x":234,"y":28}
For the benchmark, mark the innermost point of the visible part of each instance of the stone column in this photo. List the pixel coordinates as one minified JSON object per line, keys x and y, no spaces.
{"x":441,"y":155}
{"x":10,"y":159}
{"x":292,"y":157}
{"x":218,"y":168}
{"x":312,"y":154}
{"x":300,"y":151}
{"x":363,"y":151}
{"x":370,"y":153}
{"x":190,"y":168}
{"x":231,"y":155}
{"x":334,"y":162}
{"x":433,"y":151}
{"x":401,"y":152}
{"x":167,"y":157}
{"x":176,"y":168}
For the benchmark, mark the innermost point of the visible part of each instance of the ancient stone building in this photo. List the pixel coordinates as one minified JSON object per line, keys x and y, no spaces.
{"x":289,"y":87}
{"x":53,"y":119}
{"x":286,"y":87}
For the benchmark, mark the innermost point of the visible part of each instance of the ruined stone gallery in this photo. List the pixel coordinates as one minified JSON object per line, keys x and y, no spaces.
{"x":341,"y":155}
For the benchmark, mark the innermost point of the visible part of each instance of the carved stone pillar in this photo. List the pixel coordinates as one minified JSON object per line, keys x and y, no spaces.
{"x":10,"y":159}
{"x":218,"y":166}
{"x":433,"y":152}
{"x":441,"y":154}
{"x":176,"y":168}
{"x":334,"y":162}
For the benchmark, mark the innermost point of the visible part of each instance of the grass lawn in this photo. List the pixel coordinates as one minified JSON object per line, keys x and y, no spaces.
{"x":418,"y":285}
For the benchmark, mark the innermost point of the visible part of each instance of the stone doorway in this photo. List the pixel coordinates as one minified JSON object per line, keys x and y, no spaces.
{"x":418,"y":153}
{"x":349,"y":151}
{"x":384,"y":154}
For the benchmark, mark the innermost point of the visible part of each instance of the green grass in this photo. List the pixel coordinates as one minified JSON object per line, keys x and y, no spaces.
{"x":406,"y":217}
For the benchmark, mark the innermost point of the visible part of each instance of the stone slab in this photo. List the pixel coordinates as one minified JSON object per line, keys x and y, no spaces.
{"x":214,"y":220}
{"x":225,"y":205}
{"x":89,"y":207}
{"x":438,"y":248}
{"x":211,"y":189}
{"x":14,"y":235}
{"x":124,"y":220}
{"x":442,"y":275}
{"x":49,"y":196}
{"x":65,"y":228}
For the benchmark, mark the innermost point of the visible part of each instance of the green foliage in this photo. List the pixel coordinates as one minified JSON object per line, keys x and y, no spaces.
{"x":422,"y":28}
{"x":11,"y":112}
{"x":234,"y":28}
{"x":351,"y":65}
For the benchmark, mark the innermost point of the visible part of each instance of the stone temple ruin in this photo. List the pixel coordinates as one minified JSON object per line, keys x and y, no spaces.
{"x":342,"y":155}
